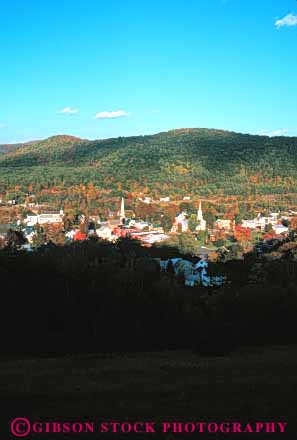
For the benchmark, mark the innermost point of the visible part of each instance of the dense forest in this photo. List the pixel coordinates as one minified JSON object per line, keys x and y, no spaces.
{"x":197,"y":162}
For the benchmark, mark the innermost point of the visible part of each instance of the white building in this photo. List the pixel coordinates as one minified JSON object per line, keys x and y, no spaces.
{"x":194,"y":274}
{"x":280,"y":229}
{"x":260,"y":222}
{"x":154,"y":238}
{"x":164,"y":199}
{"x":42,"y":219}
{"x":251,"y":224}
{"x":70,"y":234}
{"x":180,"y":221}
{"x":139,"y":224}
{"x":147,"y":200}
{"x":224,"y":224}
{"x":122,"y":210}
{"x":105,"y":233}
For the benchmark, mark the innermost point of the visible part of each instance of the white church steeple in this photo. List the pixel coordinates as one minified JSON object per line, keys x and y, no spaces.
{"x":122,"y":211}
{"x":199,"y":213}
{"x":202,"y":223}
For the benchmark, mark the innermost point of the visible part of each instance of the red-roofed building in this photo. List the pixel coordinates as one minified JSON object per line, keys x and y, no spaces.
{"x":123,"y":232}
{"x":79,"y":236}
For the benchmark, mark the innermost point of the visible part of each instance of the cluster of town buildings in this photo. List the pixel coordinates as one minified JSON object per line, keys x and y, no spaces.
{"x":147,"y":233}
{"x":112,"y":229}
{"x":261,"y":223}
{"x":120,"y":225}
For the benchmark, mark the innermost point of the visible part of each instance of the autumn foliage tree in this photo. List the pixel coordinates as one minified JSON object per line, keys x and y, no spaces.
{"x":54,"y":233}
{"x":242,"y":234}
{"x":293,"y":224}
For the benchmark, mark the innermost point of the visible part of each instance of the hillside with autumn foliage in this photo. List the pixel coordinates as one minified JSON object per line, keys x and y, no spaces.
{"x":6,"y":148}
{"x":201,"y":163}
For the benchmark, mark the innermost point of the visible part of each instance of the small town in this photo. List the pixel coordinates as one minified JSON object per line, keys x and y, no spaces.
{"x":274,"y":226}
{"x":219,"y":239}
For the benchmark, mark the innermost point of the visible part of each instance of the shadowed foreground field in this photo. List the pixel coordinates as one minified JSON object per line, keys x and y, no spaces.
{"x":253,"y":384}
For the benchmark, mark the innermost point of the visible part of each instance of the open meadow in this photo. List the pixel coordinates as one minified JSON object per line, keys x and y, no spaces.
{"x":253,"y":384}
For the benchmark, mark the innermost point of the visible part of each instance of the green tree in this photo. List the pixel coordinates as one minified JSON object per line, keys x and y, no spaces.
{"x":40,"y":237}
{"x":192,"y":222}
{"x":166,"y":222}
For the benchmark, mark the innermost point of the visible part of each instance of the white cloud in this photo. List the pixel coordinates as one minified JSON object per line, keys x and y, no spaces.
{"x":69,"y":110}
{"x":111,"y":115}
{"x":279,"y":132}
{"x":288,"y":20}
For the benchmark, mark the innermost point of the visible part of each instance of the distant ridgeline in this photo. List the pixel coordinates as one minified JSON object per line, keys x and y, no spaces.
{"x":199,"y":162}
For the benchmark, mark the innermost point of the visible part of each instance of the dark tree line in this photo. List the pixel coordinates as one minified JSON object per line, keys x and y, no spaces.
{"x":95,"y":296}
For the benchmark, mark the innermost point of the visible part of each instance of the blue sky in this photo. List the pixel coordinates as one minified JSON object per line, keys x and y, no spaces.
{"x":99,"y":69}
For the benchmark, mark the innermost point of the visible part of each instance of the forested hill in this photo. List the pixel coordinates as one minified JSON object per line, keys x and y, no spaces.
{"x":179,"y":162}
{"x":6,"y":148}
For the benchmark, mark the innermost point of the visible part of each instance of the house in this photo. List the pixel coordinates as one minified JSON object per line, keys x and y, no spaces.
{"x":186,"y":198}
{"x":70,"y":234}
{"x":194,"y":274}
{"x":180,"y":223}
{"x":105,"y":233}
{"x":280,"y":229}
{"x":79,"y":236}
{"x":225,"y":224}
{"x":164,"y":199}
{"x":121,"y":231}
{"x":212,"y":235}
{"x":150,"y":238}
{"x":139,"y":224}
{"x":251,"y":224}
{"x":260,"y":222}
{"x":146,"y":200}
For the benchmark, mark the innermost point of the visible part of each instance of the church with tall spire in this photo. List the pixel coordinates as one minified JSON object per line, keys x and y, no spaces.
{"x":122,"y":211}
{"x":201,"y":222}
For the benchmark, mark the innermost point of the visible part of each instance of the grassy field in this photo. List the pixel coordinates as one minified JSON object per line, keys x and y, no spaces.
{"x":250,"y":385}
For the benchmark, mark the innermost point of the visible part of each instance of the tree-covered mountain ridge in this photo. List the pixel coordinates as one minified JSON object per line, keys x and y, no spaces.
{"x":195,"y":160}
